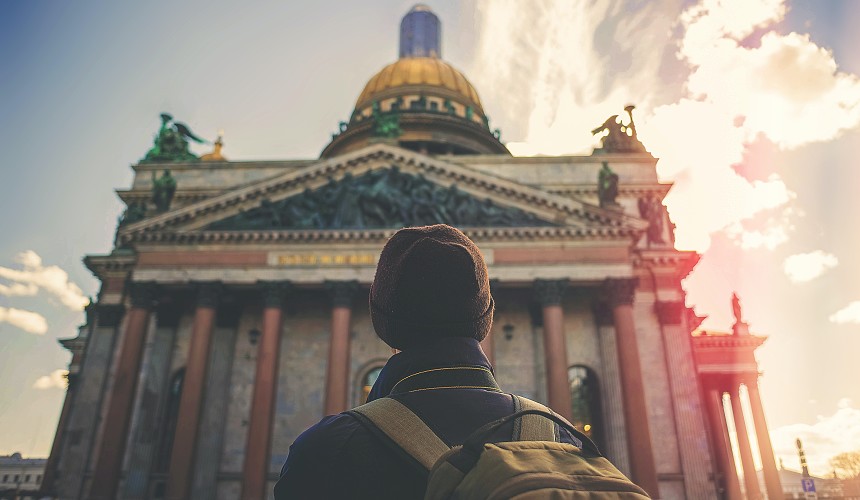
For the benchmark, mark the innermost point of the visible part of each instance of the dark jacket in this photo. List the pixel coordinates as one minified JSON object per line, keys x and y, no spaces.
{"x":339,"y":458}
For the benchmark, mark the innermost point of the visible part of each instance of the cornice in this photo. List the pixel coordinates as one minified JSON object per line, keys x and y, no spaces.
{"x":530,"y":234}
{"x":724,"y":341}
{"x":623,"y":189}
{"x":683,"y":261}
{"x":221,"y":165}
{"x":129,"y":196}
{"x":73,"y":344}
{"x":565,"y":159}
{"x":112,"y":265}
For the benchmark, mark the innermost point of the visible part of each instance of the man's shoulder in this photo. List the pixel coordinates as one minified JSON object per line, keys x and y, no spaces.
{"x":327,"y":436}
{"x":313,"y":456}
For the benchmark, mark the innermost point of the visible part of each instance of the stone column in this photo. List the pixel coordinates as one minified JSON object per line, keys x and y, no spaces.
{"x":614,"y":431}
{"x":685,"y":399}
{"x":549,"y":294}
{"x":108,"y":467}
{"x":620,"y":293}
{"x":722,"y":446}
{"x":147,"y":425}
{"x":765,"y":448}
{"x":747,"y":464}
{"x":256,"y":465}
{"x":337,"y":370}
{"x":188,"y":419}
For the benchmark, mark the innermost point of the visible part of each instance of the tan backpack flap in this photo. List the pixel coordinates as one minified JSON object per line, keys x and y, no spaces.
{"x":406,"y":430}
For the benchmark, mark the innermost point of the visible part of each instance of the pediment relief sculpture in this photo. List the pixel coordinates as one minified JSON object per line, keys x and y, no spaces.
{"x":382,"y":198}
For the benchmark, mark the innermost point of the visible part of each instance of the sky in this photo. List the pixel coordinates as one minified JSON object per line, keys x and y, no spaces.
{"x":752,"y":107}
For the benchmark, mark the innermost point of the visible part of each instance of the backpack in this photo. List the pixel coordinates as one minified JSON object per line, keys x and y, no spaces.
{"x":534,"y":465}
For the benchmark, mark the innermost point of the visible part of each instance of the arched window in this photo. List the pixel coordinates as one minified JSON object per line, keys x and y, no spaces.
{"x":367,"y":382}
{"x":585,"y":402}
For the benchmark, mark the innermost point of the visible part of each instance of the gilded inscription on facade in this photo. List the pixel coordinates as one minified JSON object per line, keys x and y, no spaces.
{"x":323,"y":259}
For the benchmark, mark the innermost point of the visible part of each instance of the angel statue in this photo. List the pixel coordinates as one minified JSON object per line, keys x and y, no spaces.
{"x":620,"y":137}
{"x":171,"y":142}
{"x":163,"y":189}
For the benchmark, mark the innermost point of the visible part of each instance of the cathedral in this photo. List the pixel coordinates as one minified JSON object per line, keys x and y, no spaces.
{"x":232,"y":311}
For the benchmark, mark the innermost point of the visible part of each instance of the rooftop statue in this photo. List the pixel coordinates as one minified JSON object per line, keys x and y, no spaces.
{"x":620,"y":138}
{"x":217,"y":146}
{"x":171,"y":142}
{"x":607,"y":186}
{"x":740,"y":327}
{"x":134,"y":212}
{"x":652,"y":210}
{"x":736,"y":308}
{"x":163,"y":189}
{"x":385,"y":125}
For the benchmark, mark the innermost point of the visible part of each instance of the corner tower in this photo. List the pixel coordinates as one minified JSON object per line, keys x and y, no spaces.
{"x":419,"y":102}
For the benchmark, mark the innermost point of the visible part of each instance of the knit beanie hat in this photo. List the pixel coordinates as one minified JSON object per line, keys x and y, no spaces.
{"x":430,"y":282}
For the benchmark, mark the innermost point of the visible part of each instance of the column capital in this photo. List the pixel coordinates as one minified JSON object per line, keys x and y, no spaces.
{"x":142,"y":294}
{"x":602,"y":314}
{"x":670,"y":312}
{"x":620,"y":291}
{"x":209,"y":293}
{"x":549,"y":292}
{"x":342,"y":292}
{"x":275,"y":292}
{"x":109,"y":315}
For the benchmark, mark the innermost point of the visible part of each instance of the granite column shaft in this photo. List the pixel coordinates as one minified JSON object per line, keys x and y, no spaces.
{"x":337,"y":370}
{"x":191,"y":399}
{"x":549,"y":293}
{"x":257,"y":448}
{"x":620,"y":294}
{"x":108,"y":466}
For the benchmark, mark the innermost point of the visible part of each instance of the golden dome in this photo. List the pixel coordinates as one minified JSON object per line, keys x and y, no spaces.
{"x":428,"y":72}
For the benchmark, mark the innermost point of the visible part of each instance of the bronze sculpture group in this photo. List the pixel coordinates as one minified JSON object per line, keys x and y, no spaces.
{"x":171,"y":142}
{"x":383,"y":198}
{"x":620,"y":137}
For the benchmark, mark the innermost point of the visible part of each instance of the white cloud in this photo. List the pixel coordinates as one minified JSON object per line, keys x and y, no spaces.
{"x":26,"y":320}
{"x":19,"y":290}
{"x":566,"y":78}
{"x":769,"y":238}
{"x":827,"y":437}
{"x":56,"y":379}
{"x":848,"y":314}
{"x":50,"y":279}
{"x":808,"y":266}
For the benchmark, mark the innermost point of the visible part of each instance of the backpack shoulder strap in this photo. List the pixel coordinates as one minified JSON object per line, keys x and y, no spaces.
{"x":533,"y":427}
{"x":404,"y":428}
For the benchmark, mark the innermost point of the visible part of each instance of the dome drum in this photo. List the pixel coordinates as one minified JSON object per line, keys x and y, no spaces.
{"x":416,"y":101}
{"x":428,"y":132}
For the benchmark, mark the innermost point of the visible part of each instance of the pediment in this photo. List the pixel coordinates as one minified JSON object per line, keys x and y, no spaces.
{"x":383,"y":186}
{"x":381,"y":198}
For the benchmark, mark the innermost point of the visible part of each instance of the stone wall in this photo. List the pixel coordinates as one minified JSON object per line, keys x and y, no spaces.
{"x":518,"y":360}
{"x":238,"y":411}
